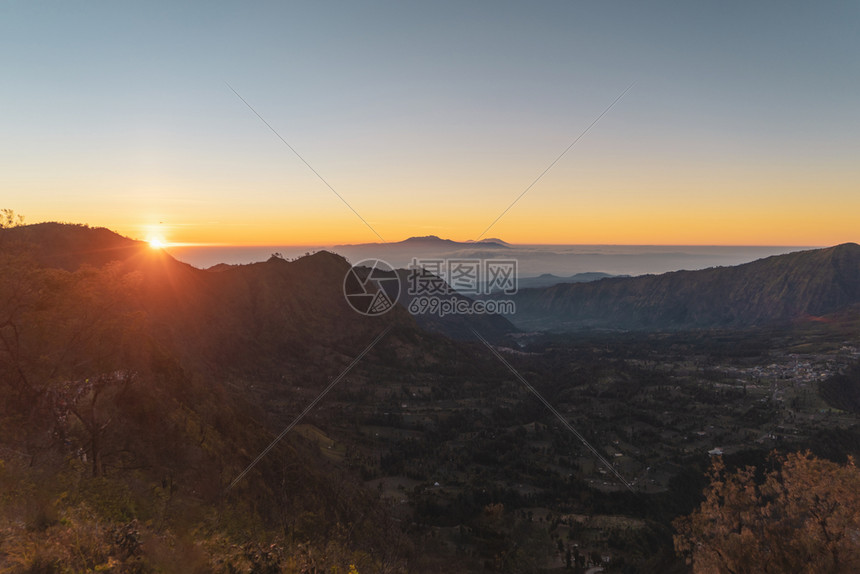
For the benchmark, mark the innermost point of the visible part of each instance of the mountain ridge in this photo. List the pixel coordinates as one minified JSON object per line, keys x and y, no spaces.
{"x":270,"y":305}
{"x":775,"y":289}
{"x":68,"y":245}
{"x":780,"y":288}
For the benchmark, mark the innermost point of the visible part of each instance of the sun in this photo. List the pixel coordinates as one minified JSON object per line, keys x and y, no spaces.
{"x":156,"y":243}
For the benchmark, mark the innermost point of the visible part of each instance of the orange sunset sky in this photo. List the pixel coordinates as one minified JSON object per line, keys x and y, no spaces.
{"x":741,"y":128}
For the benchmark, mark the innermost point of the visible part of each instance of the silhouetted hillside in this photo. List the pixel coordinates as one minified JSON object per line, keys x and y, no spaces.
{"x":135,"y":389}
{"x":69,"y":246}
{"x":777,"y":289}
{"x":222,"y":311}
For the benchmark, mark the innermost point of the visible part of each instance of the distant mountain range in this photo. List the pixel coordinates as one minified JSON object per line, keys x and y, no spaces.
{"x":285,"y":301}
{"x":778,"y":289}
{"x":562,"y":260}
{"x":428,"y":242}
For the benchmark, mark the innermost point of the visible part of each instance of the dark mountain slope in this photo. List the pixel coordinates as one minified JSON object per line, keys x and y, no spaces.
{"x":276,"y":311}
{"x":67,"y":246}
{"x":776,"y":289}
{"x":135,"y":387}
{"x":235,"y":315}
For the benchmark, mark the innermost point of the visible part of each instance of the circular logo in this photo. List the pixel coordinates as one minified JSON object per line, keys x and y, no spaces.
{"x":371,"y":287}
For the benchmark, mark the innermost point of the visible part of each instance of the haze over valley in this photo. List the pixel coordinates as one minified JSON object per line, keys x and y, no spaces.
{"x":533,"y":260}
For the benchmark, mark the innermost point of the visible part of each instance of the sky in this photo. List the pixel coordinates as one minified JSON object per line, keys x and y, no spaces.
{"x":742,"y":125}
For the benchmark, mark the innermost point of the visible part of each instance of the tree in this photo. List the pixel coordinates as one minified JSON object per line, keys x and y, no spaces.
{"x":9,"y":218}
{"x":804,"y":516}
{"x":82,"y":399}
{"x":70,"y":343}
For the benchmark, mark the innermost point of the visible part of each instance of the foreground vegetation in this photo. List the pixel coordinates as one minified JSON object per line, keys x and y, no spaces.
{"x":801,"y":516}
